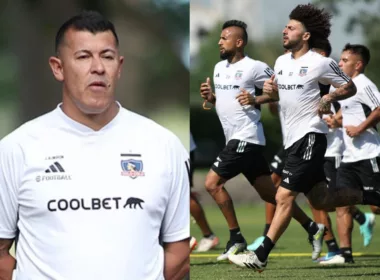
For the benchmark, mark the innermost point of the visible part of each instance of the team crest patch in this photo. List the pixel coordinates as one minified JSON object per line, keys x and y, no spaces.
{"x":132,"y":168}
{"x":239,"y":74}
{"x":303,"y":71}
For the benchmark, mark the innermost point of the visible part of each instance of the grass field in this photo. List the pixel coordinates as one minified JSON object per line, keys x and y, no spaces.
{"x":290,"y":259}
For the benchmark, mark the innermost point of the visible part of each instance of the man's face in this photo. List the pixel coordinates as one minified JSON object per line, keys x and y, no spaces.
{"x":228,"y":42}
{"x":89,"y":66}
{"x":293,"y":34}
{"x":349,"y":63}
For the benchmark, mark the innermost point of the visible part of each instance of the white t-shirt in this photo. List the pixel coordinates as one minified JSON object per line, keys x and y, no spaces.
{"x":193,"y":146}
{"x":298,"y":83}
{"x":91,"y":204}
{"x":240,"y":122}
{"x":335,"y":143}
{"x":355,"y":110}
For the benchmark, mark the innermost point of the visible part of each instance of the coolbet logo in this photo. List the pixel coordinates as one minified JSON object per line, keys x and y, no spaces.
{"x":132,"y":168}
{"x":289,"y":87}
{"x":107,"y":203}
{"x":226,"y":87}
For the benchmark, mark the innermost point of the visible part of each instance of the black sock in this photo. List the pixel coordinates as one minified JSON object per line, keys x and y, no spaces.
{"x":358,"y":216}
{"x":346,"y":252}
{"x":235,"y":235}
{"x":208,"y":235}
{"x":371,"y":198}
{"x":262,"y":252}
{"x":311,"y":227}
{"x":266,"y":229}
{"x":332,"y":246}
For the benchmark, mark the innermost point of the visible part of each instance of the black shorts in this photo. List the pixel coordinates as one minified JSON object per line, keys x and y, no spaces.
{"x":241,"y":157}
{"x":331,"y":168}
{"x":363,"y":174}
{"x":191,"y":171}
{"x":278,"y":162}
{"x":304,"y":163}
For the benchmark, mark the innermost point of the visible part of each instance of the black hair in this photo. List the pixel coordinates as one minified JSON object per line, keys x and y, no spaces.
{"x":361,"y":50}
{"x":323,"y":45}
{"x":238,"y":23}
{"x":316,"y":21}
{"x":91,"y":21}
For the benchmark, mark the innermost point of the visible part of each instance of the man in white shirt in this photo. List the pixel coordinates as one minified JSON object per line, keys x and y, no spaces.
{"x":359,"y":116}
{"x":296,"y":85}
{"x":91,"y":186}
{"x":209,"y":239}
{"x":238,"y":82}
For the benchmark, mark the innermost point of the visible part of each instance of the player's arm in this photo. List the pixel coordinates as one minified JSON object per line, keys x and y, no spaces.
{"x":371,"y":98}
{"x":176,"y":227}
{"x":206,"y":92}
{"x":7,"y":262}
{"x":344,"y":86}
{"x":177,"y":259}
{"x":334,"y":121}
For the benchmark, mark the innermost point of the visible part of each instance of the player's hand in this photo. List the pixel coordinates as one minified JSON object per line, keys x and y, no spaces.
{"x":331,"y":121}
{"x":245,"y":98}
{"x":206,"y":90}
{"x":352,"y":131}
{"x":270,"y":88}
{"x":324,"y":107}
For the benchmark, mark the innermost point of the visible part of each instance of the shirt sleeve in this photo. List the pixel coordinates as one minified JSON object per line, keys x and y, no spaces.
{"x":11,"y":164}
{"x":176,"y":224}
{"x":331,"y":74}
{"x":261,"y":73}
{"x":370,"y":96}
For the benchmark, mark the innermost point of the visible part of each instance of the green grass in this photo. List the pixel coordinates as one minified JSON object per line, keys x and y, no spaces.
{"x":294,"y":240}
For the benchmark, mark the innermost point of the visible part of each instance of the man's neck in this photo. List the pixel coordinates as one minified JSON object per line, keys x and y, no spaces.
{"x":237,"y":57}
{"x":300,"y":51}
{"x":94,"y":121}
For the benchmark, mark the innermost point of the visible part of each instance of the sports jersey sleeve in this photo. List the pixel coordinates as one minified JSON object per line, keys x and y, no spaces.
{"x":370,"y":96}
{"x":10,"y":166}
{"x":176,"y":224}
{"x":330,"y":73}
{"x":261,"y":73}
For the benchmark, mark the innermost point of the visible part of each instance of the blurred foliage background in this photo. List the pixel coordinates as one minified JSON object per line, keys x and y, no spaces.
{"x":153,"y":39}
{"x":205,"y":125}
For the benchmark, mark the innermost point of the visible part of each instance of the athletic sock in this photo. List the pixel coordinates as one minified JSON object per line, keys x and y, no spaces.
{"x":311,"y":227}
{"x":236,"y":236}
{"x":332,"y":246}
{"x":266,"y":229}
{"x":262,"y":252}
{"x":358,"y":216}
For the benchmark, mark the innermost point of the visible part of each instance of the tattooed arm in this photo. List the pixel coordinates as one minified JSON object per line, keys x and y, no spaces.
{"x":7,"y":262}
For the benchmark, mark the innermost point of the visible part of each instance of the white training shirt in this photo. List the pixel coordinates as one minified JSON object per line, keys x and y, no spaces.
{"x":298,"y":83}
{"x":91,"y":204}
{"x":335,"y":143}
{"x":355,"y":110}
{"x":240,"y":122}
{"x":193,"y":146}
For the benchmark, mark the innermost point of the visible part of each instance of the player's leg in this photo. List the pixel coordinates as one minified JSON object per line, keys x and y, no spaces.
{"x":366,"y":222}
{"x":375,"y":209}
{"x":228,"y":164}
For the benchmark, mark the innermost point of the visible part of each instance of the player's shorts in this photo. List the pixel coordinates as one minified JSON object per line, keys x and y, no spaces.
{"x":191,"y":168}
{"x":363,"y":174}
{"x":278,"y":162}
{"x":304,"y":163}
{"x":331,"y":168}
{"x":241,"y":157}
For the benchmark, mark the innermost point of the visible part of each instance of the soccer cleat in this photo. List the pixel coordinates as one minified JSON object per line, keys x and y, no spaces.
{"x":316,"y":241}
{"x":232,"y":249}
{"x":256,"y":243}
{"x":328,"y":256}
{"x":206,"y":244}
{"x":248,"y":259}
{"x":337,"y":259}
{"x":193,"y":243}
{"x":366,"y":229}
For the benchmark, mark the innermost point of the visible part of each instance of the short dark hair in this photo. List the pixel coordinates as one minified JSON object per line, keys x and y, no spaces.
{"x":316,"y":21}
{"x":91,"y":21}
{"x":323,"y":45}
{"x":361,"y":50}
{"x":238,"y":23}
